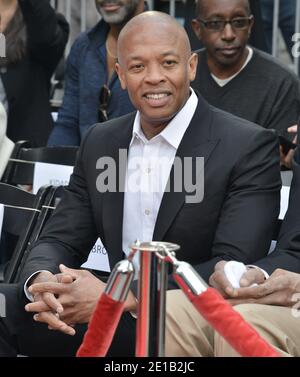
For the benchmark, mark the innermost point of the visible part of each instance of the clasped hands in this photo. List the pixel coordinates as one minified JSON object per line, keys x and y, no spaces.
{"x":279,"y":289}
{"x":63,"y":300}
{"x":69,"y":298}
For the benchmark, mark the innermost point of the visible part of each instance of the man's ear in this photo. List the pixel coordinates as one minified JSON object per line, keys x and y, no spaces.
{"x":251,"y":26}
{"x":193,"y":62}
{"x":197,"y":28}
{"x":121,"y":75}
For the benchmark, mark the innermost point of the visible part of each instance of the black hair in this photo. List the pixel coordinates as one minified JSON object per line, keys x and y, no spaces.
{"x":199,"y":5}
{"x":16,"y":39}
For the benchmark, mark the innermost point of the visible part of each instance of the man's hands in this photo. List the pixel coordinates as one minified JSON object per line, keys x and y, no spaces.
{"x":47,"y":302}
{"x":70,"y":302}
{"x":66,"y":299}
{"x":219,"y":280}
{"x":277,"y":290}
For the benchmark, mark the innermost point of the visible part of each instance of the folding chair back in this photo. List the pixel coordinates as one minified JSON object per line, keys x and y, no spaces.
{"x":48,"y":204}
{"x":10,"y":165}
{"x":21,"y":211}
{"x":20,"y":168}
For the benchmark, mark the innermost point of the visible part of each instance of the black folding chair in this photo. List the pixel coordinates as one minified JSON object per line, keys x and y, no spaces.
{"x":20,"y":168}
{"x":21,"y":211}
{"x":18,"y":261}
{"x":13,"y":156}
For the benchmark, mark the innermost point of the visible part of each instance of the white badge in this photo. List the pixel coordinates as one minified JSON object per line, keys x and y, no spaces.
{"x":98,"y":258}
{"x":51,"y":174}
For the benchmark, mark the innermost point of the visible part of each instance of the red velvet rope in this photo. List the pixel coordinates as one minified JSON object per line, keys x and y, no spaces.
{"x":102,"y":327}
{"x":230,"y":324}
{"x":210,"y":304}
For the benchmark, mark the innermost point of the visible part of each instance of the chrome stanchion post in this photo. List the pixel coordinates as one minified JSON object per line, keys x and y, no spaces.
{"x":150,"y":331}
{"x":187,"y":278}
{"x":118,"y":284}
{"x":162,"y":271}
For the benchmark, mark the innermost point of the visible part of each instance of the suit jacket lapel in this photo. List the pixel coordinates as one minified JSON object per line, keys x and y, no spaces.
{"x":113,"y":202}
{"x":197,"y":142}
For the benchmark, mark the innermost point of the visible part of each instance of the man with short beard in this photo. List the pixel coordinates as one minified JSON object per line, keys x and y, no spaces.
{"x":92,"y":92}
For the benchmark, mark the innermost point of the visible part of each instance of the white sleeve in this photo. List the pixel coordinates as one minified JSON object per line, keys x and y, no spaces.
{"x":235,"y":270}
{"x":263,"y":271}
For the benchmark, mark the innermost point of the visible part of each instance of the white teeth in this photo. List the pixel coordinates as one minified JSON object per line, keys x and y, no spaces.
{"x":156,"y":96}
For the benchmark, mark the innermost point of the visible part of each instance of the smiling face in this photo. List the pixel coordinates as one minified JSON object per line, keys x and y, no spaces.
{"x":226,"y":48}
{"x":117,"y":11}
{"x":156,"y":67}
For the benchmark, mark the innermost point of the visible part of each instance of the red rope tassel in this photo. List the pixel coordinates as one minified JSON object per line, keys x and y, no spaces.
{"x":230,"y":324}
{"x":102,"y":327}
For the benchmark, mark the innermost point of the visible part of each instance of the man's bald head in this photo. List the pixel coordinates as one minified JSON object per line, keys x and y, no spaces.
{"x":153,"y":22}
{"x":202,"y":4}
{"x":156,"y":67}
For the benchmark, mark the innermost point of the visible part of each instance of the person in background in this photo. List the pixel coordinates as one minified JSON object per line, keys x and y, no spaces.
{"x":92,"y":16}
{"x":35,"y":41}
{"x":238,"y":78}
{"x":286,"y":21}
{"x":185,"y":12}
{"x":92,"y":88}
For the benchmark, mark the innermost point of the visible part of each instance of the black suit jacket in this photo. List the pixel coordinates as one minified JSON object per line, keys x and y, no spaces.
{"x":234,"y":221}
{"x":287,"y":253}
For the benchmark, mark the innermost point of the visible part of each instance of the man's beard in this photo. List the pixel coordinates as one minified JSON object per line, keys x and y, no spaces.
{"x":120,"y":16}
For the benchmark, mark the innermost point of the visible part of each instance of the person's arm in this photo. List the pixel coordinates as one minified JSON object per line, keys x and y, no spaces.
{"x":71,"y":232}
{"x":282,"y":288}
{"x":47,"y":32}
{"x":287,"y":252}
{"x":225,"y":283}
{"x":76,"y":300}
{"x":66,"y":128}
{"x":286,"y":106}
{"x":49,"y":303}
{"x":279,"y":289}
{"x":250,"y":211}
{"x":286,"y":256}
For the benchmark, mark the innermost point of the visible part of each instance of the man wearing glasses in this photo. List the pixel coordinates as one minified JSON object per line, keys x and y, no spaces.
{"x":93,"y":93}
{"x":237,"y":78}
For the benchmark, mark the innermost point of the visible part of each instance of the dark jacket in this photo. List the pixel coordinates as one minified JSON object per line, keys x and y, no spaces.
{"x":287,"y":253}
{"x":235,"y":219}
{"x":27,"y":83}
{"x":265,"y":92}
